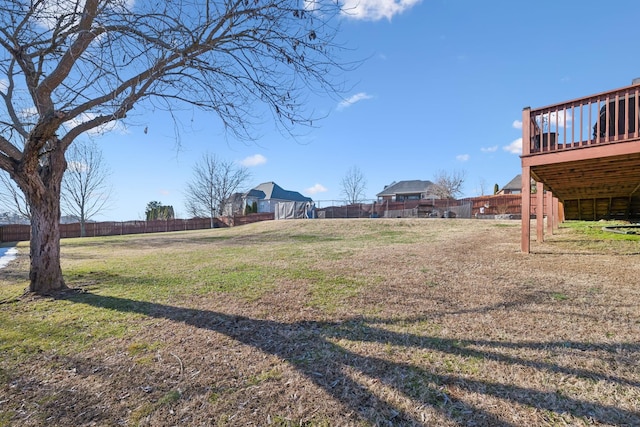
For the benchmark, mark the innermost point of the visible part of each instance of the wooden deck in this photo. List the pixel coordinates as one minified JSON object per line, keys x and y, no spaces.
{"x":586,"y":153}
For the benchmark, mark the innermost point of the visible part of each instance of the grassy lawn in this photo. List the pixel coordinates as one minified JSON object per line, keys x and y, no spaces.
{"x":327,"y":323}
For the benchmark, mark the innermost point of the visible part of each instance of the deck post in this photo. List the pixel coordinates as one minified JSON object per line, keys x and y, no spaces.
{"x":557,"y":212}
{"x":551,"y":213}
{"x":525,"y":238}
{"x":539,"y":212}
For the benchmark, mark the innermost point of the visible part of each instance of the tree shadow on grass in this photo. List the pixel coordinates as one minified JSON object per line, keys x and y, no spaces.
{"x":310,"y":347}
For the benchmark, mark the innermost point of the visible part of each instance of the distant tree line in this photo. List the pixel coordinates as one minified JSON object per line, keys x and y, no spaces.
{"x":156,"y":210}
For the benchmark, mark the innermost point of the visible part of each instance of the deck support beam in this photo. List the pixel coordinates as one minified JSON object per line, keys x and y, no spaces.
{"x":526,"y":210}
{"x":557,"y":211}
{"x":525,"y":237}
{"x":551,"y":214}
{"x":539,"y":212}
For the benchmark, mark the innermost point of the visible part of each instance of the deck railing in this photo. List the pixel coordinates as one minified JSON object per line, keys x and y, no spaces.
{"x":604,"y":118}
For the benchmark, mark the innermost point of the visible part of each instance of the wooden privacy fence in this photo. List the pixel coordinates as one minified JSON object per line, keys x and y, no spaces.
{"x":21,"y":232}
{"x":474,"y":207}
{"x":232,"y":221}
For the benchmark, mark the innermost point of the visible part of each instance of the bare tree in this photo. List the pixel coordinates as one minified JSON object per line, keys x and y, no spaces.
{"x":85,"y":187}
{"x":354,"y":185}
{"x":213,"y":182}
{"x":74,"y":66}
{"x":12,"y":197}
{"x":482,"y":186}
{"x":448,"y":185}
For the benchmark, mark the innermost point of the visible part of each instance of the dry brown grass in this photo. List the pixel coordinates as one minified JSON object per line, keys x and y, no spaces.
{"x":362,"y":322}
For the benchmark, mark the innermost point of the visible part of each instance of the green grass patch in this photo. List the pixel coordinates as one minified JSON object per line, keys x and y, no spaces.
{"x":594,"y":230}
{"x":57,"y":325}
{"x":171,"y":397}
{"x":557,"y":296}
{"x":330,"y":292}
{"x":270,"y":375}
{"x":128,"y":277}
{"x":6,"y":418}
{"x":5,"y":377}
{"x":140,"y":347}
{"x":147,"y":408}
{"x":141,"y":412}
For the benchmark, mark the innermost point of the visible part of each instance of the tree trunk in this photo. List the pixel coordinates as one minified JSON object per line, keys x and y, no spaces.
{"x":41,"y":182}
{"x":45,"y":275}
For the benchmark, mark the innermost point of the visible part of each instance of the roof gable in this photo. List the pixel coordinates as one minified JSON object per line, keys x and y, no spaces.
{"x":514,"y":184}
{"x":271,"y":190}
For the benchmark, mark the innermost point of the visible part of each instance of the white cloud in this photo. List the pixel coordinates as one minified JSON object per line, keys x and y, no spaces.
{"x":462,"y":157}
{"x":515,"y":147}
{"x":374,"y":10}
{"x":255,"y":160}
{"x":318,"y":188}
{"x":562,"y":118}
{"x":361,"y":96}
{"x":492,"y":149}
{"x":517,"y":124}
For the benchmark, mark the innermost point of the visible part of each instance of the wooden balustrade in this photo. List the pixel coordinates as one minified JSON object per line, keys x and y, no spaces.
{"x":604,"y":118}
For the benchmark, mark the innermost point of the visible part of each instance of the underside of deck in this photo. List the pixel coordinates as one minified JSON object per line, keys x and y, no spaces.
{"x":593,"y":186}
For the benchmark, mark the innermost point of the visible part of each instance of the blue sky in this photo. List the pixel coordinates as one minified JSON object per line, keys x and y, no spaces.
{"x":443,"y":88}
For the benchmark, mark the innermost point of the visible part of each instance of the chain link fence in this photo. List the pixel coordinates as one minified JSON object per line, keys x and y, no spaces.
{"x":326,"y":209}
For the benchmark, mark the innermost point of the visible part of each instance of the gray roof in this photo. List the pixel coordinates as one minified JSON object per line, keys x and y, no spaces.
{"x":515,"y":184}
{"x":271,"y":190}
{"x":406,"y":187}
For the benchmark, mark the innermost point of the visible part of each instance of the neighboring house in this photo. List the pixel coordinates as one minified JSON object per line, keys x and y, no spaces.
{"x":267,"y":195}
{"x":406,"y":190}
{"x":233,"y":205}
{"x":513,"y":187}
